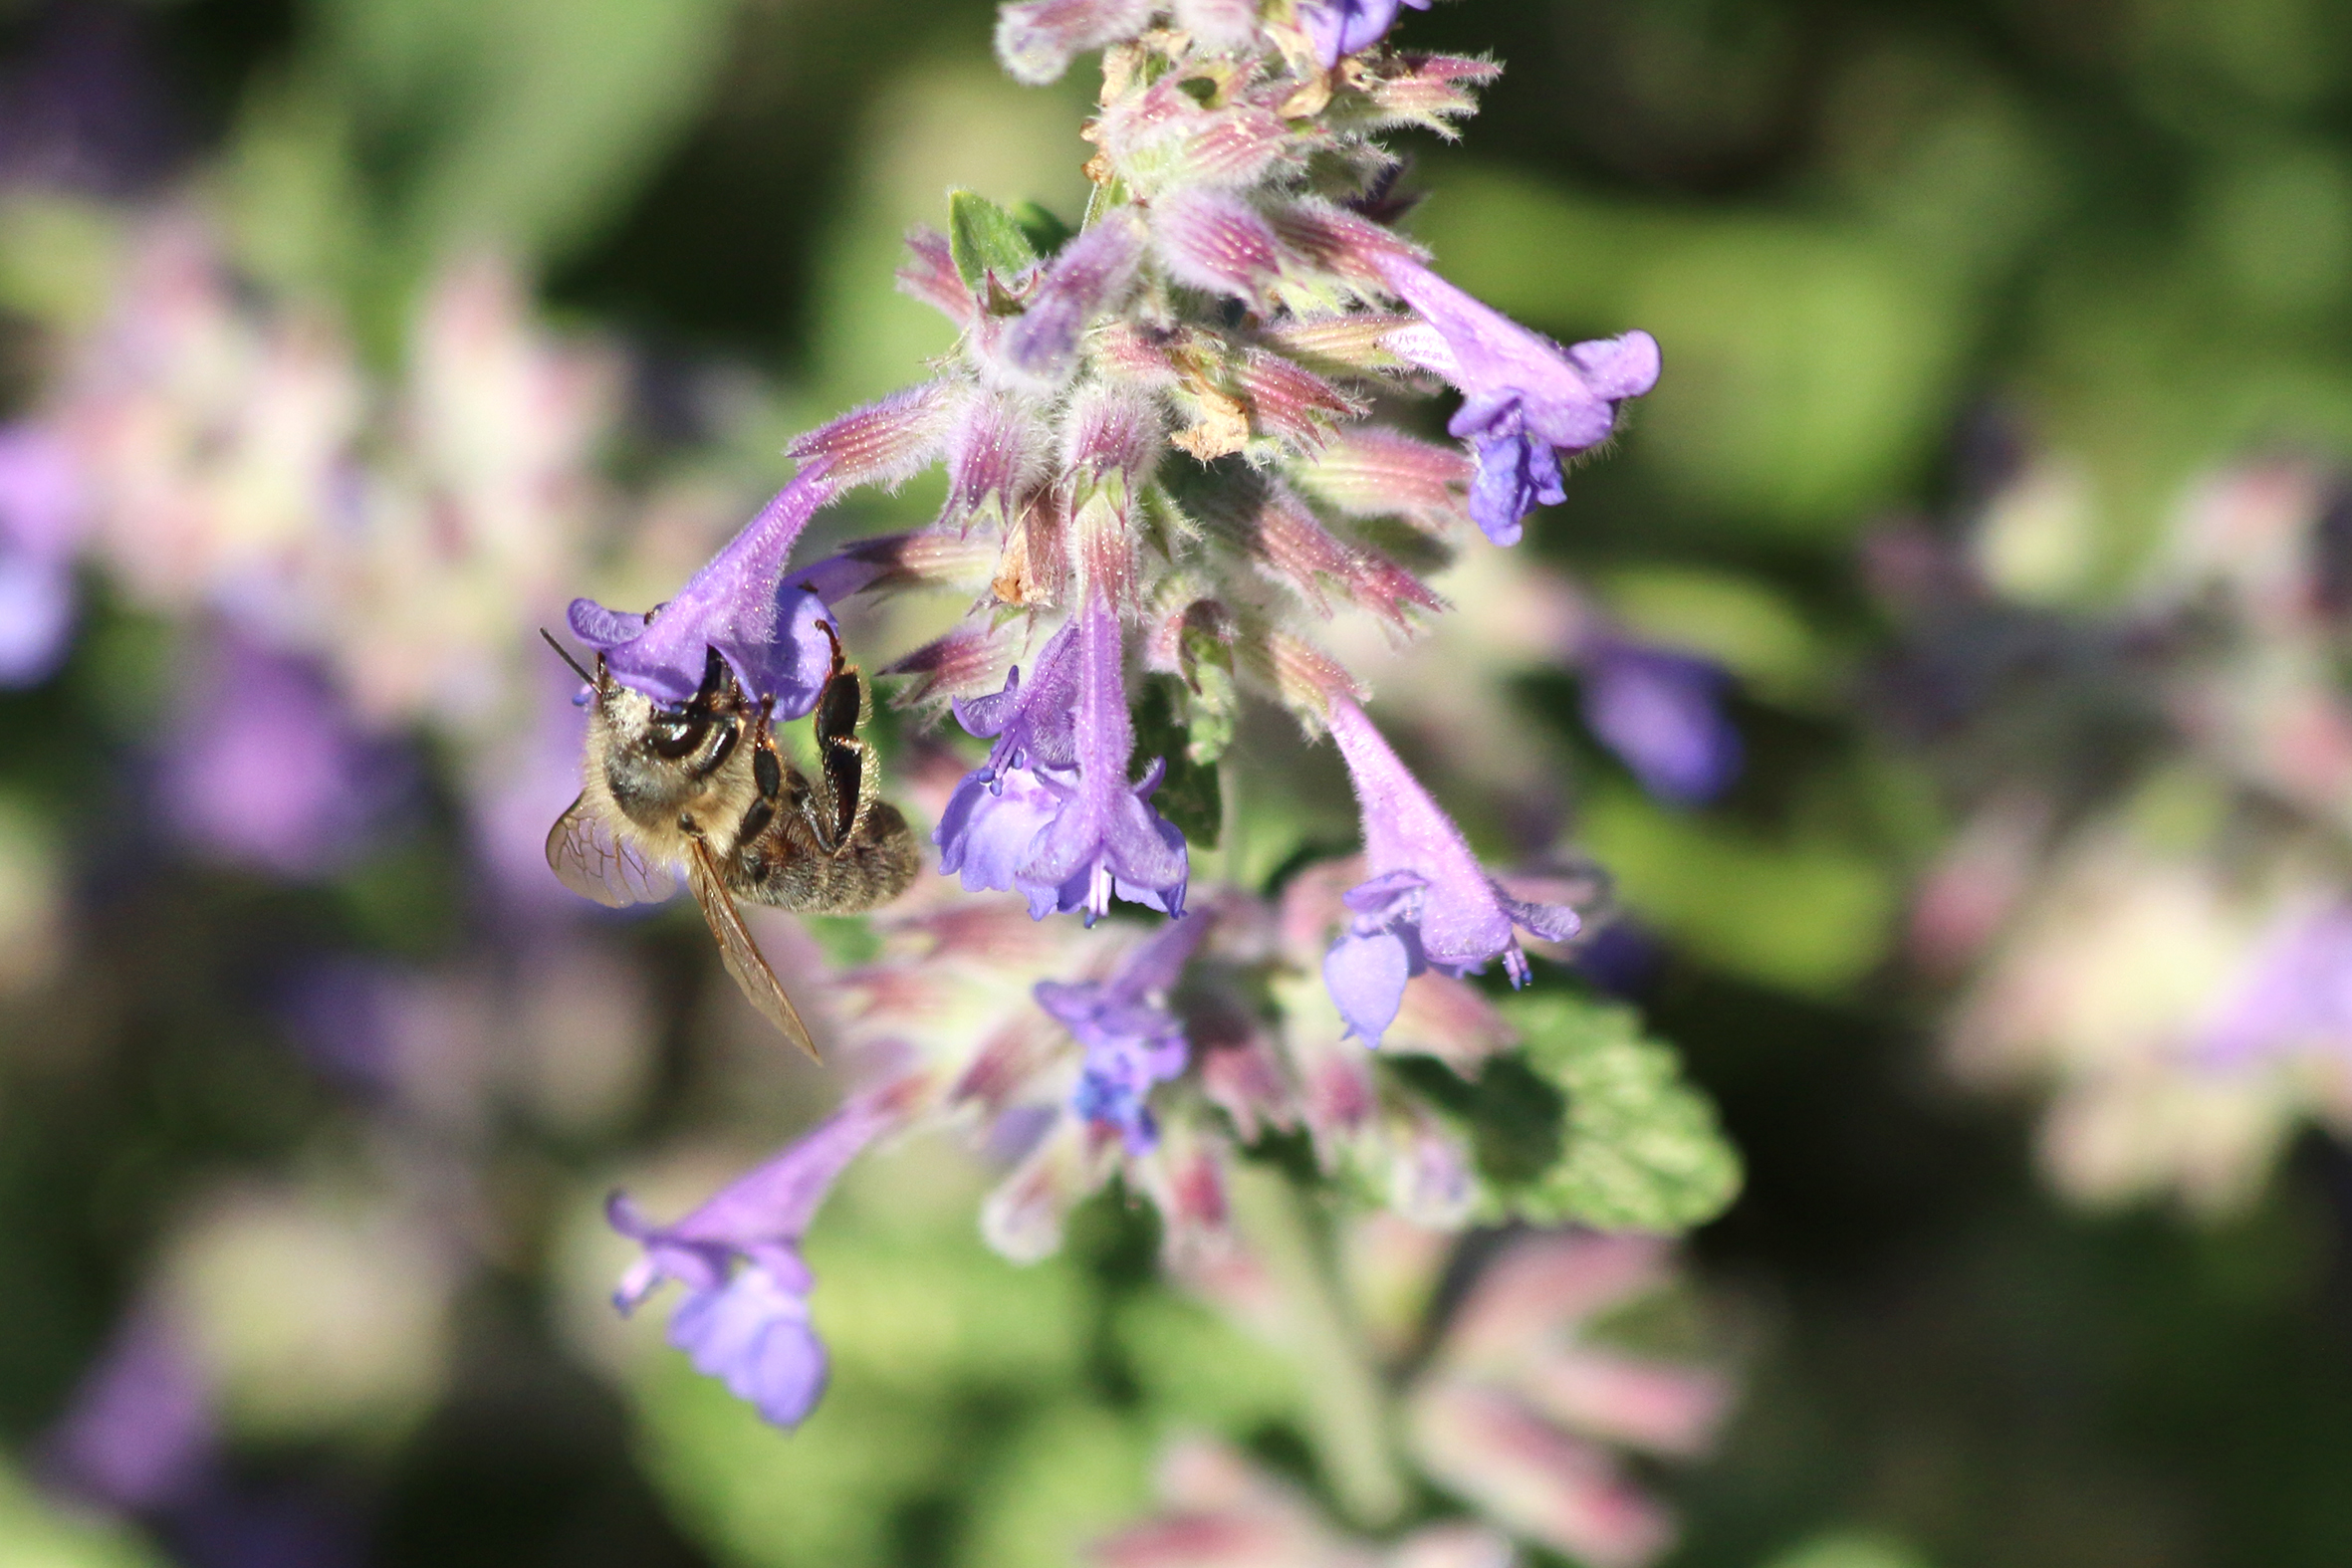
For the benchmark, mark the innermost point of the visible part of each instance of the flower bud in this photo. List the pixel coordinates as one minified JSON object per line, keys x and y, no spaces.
{"x":1037,"y":39}
{"x":888,"y":442}
{"x":1216,"y":243}
{"x":1040,"y":345}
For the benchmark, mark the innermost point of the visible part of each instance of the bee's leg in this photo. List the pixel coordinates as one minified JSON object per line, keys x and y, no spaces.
{"x":847,"y":770}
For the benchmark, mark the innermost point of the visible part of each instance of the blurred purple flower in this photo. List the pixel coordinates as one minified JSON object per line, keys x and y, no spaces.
{"x":1427,"y":903}
{"x":40,"y":526}
{"x":84,"y":109}
{"x":745,"y":1318}
{"x":1344,"y":27}
{"x":269,"y":1525}
{"x":2293,"y":999}
{"x":265,"y":765}
{"x":517,"y":788}
{"x":1037,"y":39}
{"x":345,"y":1016}
{"x":1662,"y":712}
{"x":1052,"y":813}
{"x":1132,"y":1040}
{"x":138,"y":1432}
{"x":763,"y":624}
{"x":1524,"y":399}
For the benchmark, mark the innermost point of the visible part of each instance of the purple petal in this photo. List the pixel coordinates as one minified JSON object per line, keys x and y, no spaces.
{"x":1377,"y":896}
{"x":1616,"y":367}
{"x":1515,"y":475}
{"x":1549,"y":922}
{"x":1131,"y":1040}
{"x":754,"y":1337}
{"x":740,"y":604}
{"x":1366,"y":974}
{"x":1344,"y":27}
{"x":1524,"y":399}
{"x":603,"y":628}
{"x":989,"y":828}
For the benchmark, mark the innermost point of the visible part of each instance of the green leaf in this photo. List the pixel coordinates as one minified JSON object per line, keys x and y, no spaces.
{"x":1189,"y":796}
{"x":1641,"y":1149}
{"x":984,"y":237}
{"x":1045,"y":232}
{"x":1212,"y":700}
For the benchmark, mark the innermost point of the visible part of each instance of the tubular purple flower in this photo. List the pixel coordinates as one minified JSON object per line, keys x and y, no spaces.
{"x":1106,"y":839}
{"x":1131,"y":1040}
{"x":1662,"y":712}
{"x":745,"y":1318}
{"x":1040,"y":345}
{"x":998,"y":810}
{"x":1427,"y":902}
{"x":1037,"y":39}
{"x":1524,"y":399}
{"x":1344,"y":27}
{"x":765,"y":625}
{"x":1052,"y":813}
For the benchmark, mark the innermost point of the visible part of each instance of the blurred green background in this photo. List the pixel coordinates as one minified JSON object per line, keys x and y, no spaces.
{"x":1885,"y":247}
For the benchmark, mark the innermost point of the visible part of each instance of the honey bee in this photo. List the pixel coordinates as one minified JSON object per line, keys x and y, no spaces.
{"x":703,"y":786}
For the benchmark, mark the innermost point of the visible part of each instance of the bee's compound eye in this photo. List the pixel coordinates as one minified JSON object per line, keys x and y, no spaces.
{"x":674,"y":735}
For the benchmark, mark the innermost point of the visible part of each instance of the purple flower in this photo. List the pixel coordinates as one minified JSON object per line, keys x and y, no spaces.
{"x":86,"y":108}
{"x":1524,"y":399}
{"x":1345,"y":27}
{"x":138,"y":1432}
{"x":1132,"y":1040}
{"x":763,"y":624}
{"x":1051,"y":812}
{"x":2294,"y":998}
{"x":40,"y":524}
{"x":745,"y":1318}
{"x":1662,"y":712}
{"x":267,"y":767}
{"x":1427,"y":904}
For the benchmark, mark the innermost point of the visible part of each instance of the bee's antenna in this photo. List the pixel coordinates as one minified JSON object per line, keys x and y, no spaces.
{"x":565,"y":654}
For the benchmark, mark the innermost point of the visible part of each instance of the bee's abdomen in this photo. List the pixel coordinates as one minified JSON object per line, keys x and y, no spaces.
{"x":783,"y":867}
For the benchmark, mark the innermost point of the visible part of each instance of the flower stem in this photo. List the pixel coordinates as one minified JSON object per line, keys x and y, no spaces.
{"x":1347,"y":1411}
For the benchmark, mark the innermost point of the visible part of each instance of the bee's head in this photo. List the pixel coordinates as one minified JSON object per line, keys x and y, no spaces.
{"x":658,"y":752}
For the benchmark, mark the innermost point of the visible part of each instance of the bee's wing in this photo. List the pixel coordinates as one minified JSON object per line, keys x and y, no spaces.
{"x":741,"y":953}
{"x":587,"y":858}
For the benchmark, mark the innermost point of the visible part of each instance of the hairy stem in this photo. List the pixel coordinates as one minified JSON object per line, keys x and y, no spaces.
{"x":1347,"y":1411}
